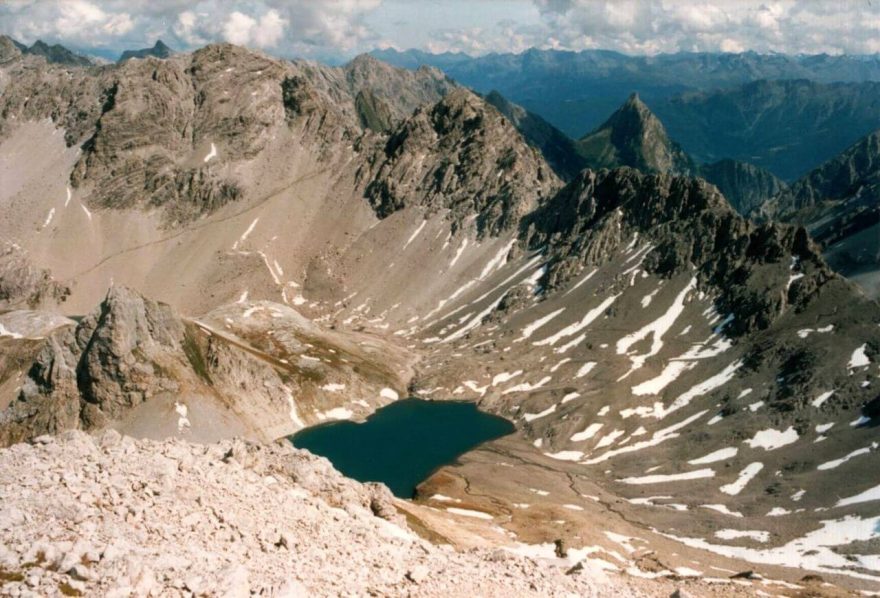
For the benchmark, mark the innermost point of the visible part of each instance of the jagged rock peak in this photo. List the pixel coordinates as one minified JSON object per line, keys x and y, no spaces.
{"x":633,"y":136}
{"x":461,"y":155}
{"x":690,"y":226}
{"x":557,"y":148}
{"x":159,"y":50}
{"x":838,"y":178}
{"x":122,"y":353}
{"x":57,"y":54}
{"x":386,"y":94}
{"x":9,"y":49}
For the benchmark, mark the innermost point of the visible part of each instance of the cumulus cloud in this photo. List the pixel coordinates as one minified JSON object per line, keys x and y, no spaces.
{"x":79,"y":21}
{"x":287,"y":27}
{"x":654,"y":26}
{"x":341,"y":28}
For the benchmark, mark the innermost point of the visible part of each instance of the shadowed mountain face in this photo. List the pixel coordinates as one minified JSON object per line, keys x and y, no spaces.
{"x":558,"y":149}
{"x":287,"y":243}
{"x":159,"y":50}
{"x":839,"y":203}
{"x":745,"y":186}
{"x":633,"y":137}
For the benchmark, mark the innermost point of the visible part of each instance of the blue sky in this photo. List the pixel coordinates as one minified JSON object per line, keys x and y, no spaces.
{"x":336,"y":30}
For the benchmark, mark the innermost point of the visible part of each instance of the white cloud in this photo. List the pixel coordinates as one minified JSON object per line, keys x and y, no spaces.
{"x":338,"y":28}
{"x":238,"y":29}
{"x":270,"y":29}
{"x":656,"y":26}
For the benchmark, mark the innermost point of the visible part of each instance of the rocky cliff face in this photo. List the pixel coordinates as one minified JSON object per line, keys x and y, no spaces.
{"x":23,"y":285}
{"x":557,"y":148}
{"x":746,"y":186}
{"x":133,"y":363}
{"x":634,"y":137}
{"x":462,"y":156}
{"x":116,"y":358}
{"x":402,"y":91}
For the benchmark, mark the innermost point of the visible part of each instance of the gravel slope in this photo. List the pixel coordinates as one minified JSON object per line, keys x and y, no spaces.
{"x":114,"y":516}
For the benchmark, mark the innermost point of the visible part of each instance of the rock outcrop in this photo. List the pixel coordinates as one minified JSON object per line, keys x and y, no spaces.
{"x":689,"y":224}
{"x":138,"y":517}
{"x":839,"y":204}
{"x":557,"y":148}
{"x":23,"y":285}
{"x":463,"y":156}
{"x":117,"y":357}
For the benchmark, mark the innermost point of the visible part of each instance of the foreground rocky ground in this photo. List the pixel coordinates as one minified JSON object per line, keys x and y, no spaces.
{"x":114,"y":516}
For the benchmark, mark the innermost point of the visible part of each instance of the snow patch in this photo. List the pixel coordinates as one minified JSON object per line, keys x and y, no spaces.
{"x":575,"y":328}
{"x":745,"y":476}
{"x":469,"y":513}
{"x":531,"y":328}
{"x":735,"y":534}
{"x":389,"y":393}
{"x":771,"y":439}
{"x":182,"y":419}
{"x":859,"y":358}
{"x":585,"y":369}
{"x":586,"y":433}
{"x":817,"y":402}
{"x":675,"y":477}
{"x":713,"y":457}
{"x":415,"y":234}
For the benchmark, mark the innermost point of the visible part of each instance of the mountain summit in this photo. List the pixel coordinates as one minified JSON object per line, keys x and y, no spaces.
{"x":159,"y":50}
{"x":634,"y":137}
{"x":55,"y":54}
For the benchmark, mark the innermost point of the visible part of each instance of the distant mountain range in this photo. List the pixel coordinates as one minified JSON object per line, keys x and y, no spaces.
{"x":744,"y":106}
{"x":787,"y":127}
{"x":56,"y":54}
{"x":159,"y":50}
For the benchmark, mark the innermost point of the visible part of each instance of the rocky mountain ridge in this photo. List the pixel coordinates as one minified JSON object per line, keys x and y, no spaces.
{"x":440,"y":256}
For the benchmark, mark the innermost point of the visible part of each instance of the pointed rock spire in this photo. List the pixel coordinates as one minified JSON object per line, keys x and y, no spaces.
{"x":634,"y":137}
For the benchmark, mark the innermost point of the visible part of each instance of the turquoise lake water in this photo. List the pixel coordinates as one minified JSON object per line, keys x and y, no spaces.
{"x":403,"y":443}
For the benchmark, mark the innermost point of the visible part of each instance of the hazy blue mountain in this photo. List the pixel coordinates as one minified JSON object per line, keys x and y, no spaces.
{"x":56,"y":54}
{"x":745,"y":185}
{"x":771,"y":110}
{"x":159,"y":50}
{"x":786,"y":127}
{"x":575,"y":91}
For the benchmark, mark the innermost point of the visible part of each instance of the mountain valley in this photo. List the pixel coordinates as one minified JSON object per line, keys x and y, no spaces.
{"x":221,"y":244}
